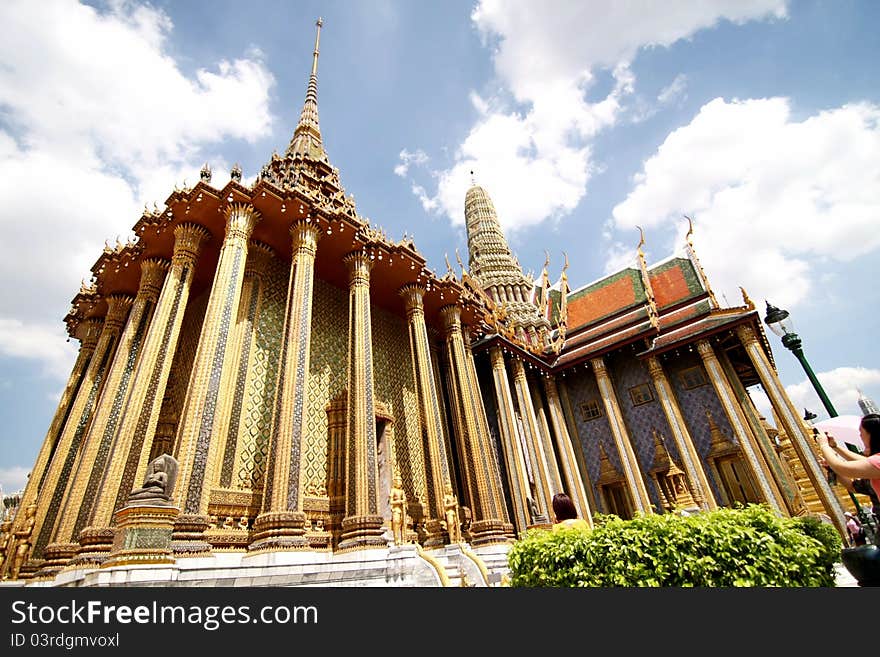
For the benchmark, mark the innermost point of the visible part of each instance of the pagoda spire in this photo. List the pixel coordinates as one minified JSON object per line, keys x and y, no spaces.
{"x":866,"y":404}
{"x":496,"y":270}
{"x":307,"y":136}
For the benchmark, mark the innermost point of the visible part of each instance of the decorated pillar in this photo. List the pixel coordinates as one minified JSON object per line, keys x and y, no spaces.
{"x":793,"y":426}
{"x":487,"y":449}
{"x":513,"y":457}
{"x":488,"y":525}
{"x":91,"y":330}
{"x":757,"y":428}
{"x":134,"y":436}
{"x":687,"y":451}
{"x":628,"y":461}
{"x":260,"y":256}
{"x":207,"y":401}
{"x":95,"y":454}
{"x":533,"y":441}
{"x":554,"y":477}
{"x":571,"y":424}
{"x":573,"y":479}
{"x":78,"y":422}
{"x":436,"y":466}
{"x":362,"y":524}
{"x":752,"y":452}
{"x":281,"y":524}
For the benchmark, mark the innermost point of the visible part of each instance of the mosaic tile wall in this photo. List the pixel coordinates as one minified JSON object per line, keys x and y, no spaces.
{"x":694,"y":403}
{"x":178,"y":380}
{"x":626,"y":371}
{"x":261,"y":347}
{"x":582,"y":387}
{"x":327,"y":376}
{"x":393,"y":385}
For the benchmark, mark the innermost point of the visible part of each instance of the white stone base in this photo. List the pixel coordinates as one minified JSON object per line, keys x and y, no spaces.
{"x":402,"y":565}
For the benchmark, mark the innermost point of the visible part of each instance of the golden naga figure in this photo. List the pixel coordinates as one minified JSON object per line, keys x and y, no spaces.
{"x":450,"y":510}
{"x":397,"y":499}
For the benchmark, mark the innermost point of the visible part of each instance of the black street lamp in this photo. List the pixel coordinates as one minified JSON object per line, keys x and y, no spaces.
{"x":779,"y":322}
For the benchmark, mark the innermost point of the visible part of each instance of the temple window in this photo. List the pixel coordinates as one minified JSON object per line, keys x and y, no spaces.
{"x":693,"y":377}
{"x":641,"y":394}
{"x":590,"y":410}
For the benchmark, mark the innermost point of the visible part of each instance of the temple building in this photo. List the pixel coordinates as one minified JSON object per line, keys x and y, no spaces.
{"x":271,"y":390}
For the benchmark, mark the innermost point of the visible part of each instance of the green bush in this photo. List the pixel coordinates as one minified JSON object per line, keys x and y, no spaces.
{"x":747,"y":546}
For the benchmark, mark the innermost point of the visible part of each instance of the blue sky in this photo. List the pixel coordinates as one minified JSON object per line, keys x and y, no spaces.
{"x":583,"y":120}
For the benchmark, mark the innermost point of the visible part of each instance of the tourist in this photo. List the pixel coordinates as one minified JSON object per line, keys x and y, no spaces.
{"x":854,"y":529}
{"x":851,"y":465}
{"x":566,"y":514}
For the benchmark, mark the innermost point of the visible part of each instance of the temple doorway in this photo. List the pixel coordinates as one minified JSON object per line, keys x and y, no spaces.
{"x":383,"y":467}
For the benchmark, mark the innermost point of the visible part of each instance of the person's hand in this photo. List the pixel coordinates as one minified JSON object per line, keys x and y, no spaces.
{"x":823,"y":438}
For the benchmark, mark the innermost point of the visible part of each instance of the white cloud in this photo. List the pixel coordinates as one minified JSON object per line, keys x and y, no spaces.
{"x":674,"y":90}
{"x":94,"y":99}
{"x":43,"y":343}
{"x":419,"y":157}
{"x":545,"y":56}
{"x":786,"y":195}
{"x":13,"y":479}
{"x":840,"y":384}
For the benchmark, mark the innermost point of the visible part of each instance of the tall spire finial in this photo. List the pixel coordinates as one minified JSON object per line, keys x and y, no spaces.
{"x":318,"y":23}
{"x":307,"y":136}
{"x":473,"y":178}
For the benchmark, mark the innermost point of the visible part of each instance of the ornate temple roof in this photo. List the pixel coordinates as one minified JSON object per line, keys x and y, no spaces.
{"x":300,"y":185}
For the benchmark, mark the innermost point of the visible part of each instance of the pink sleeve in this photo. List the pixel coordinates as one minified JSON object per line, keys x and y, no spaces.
{"x":874,"y":459}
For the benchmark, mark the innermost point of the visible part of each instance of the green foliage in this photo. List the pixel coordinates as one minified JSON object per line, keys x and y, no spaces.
{"x":747,"y":546}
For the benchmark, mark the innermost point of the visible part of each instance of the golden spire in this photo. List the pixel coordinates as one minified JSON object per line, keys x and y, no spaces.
{"x":695,"y":261}
{"x":307,"y":136}
{"x":646,"y":281}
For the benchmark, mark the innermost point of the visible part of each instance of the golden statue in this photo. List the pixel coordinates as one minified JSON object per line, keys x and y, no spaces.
{"x":23,"y":541}
{"x":450,"y":510}
{"x":5,"y":542}
{"x":397,"y":498}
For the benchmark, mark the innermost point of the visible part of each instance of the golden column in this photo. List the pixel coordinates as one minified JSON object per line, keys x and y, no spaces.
{"x":362,"y":524}
{"x":489,"y":455}
{"x":207,"y":400}
{"x":513,"y":457}
{"x":488,"y":525}
{"x":91,"y":329}
{"x":282,"y":522}
{"x":77,"y":423}
{"x":571,"y":424}
{"x":766,"y":482}
{"x":436,"y":466}
{"x":573,"y":479}
{"x":553,"y":475}
{"x":133,"y":441}
{"x":533,"y":442}
{"x":687,"y":451}
{"x":96,"y":448}
{"x":793,"y":425}
{"x":628,"y":461}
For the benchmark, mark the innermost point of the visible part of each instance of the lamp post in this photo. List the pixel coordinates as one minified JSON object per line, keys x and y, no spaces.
{"x":779,"y":322}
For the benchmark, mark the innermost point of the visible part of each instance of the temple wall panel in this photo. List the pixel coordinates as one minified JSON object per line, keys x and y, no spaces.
{"x":327,"y":377}
{"x":694,"y":403}
{"x":178,"y":380}
{"x":582,"y":389}
{"x":393,"y":385}
{"x":641,"y":419}
{"x":258,"y":364}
